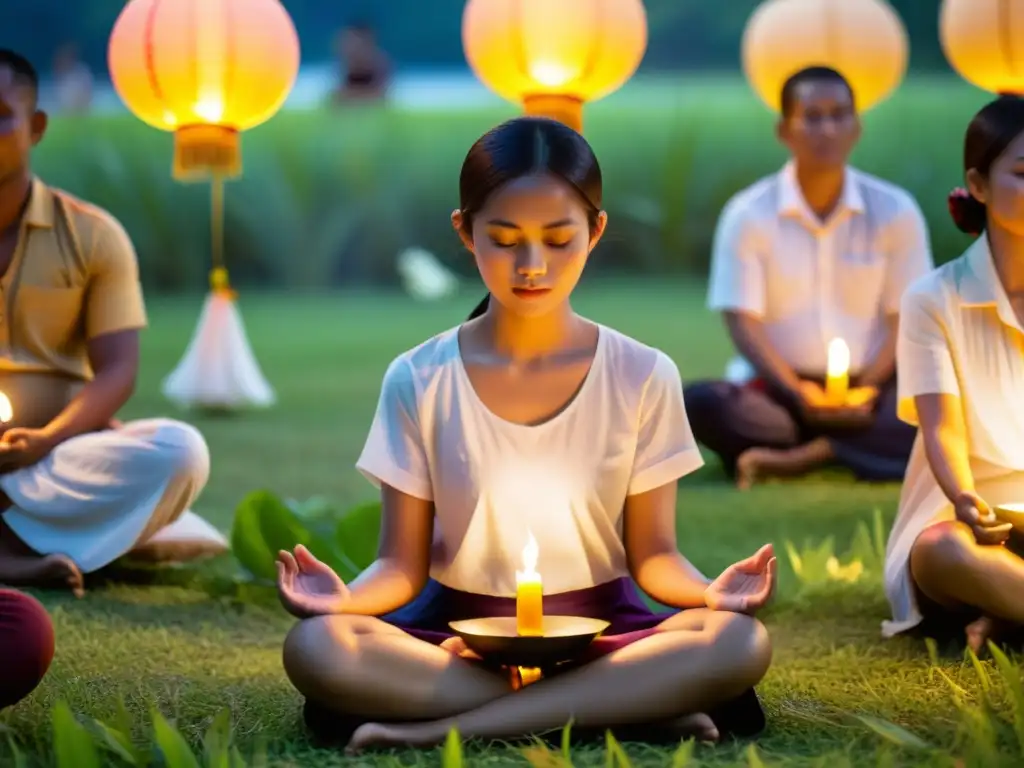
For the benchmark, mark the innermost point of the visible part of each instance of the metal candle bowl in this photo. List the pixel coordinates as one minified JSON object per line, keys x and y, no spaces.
{"x":1011,"y":513}
{"x":496,"y":639}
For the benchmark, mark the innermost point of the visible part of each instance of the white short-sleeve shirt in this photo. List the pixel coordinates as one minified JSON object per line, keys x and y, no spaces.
{"x":493,"y":483}
{"x":958,"y":336}
{"x":811,"y":281}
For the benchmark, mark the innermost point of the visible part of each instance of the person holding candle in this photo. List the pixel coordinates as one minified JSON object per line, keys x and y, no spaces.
{"x":817,"y":254}
{"x":77,"y":489}
{"x":951,"y":563}
{"x":528,"y":423}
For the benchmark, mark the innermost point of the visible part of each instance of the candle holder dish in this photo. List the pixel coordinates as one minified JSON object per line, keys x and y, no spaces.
{"x":496,"y":639}
{"x":1009,"y":513}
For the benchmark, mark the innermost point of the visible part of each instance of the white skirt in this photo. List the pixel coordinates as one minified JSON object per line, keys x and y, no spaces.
{"x":923,"y":504}
{"x":98,"y":496}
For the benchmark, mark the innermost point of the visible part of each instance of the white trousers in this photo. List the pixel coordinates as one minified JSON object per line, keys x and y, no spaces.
{"x":98,"y":496}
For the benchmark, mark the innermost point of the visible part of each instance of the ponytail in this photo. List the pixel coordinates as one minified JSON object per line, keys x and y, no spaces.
{"x":480,"y":308}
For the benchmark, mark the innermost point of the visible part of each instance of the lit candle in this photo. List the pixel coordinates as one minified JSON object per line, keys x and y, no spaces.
{"x":838,"y":382}
{"x":529,"y":593}
{"x":6,"y":411}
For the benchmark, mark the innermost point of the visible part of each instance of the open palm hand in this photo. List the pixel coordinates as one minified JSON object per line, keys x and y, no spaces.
{"x":746,"y":586}
{"x":308,"y":587}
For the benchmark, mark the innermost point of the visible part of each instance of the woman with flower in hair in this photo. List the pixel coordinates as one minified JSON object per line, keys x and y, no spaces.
{"x":950,"y":561}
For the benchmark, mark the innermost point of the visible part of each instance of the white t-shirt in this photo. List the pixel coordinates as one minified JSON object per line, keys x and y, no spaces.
{"x":493,"y":483}
{"x":811,"y":281}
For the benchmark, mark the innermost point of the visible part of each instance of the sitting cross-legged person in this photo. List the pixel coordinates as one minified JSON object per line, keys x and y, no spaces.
{"x":817,"y":252}
{"x":525,"y":420}
{"x":26,"y":646}
{"x":77,"y":489}
{"x":953,"y":563}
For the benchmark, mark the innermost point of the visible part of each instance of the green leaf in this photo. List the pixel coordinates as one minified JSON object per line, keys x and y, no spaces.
{"x":567,"y":742}
{"x":264,"y":525}
{"x":682,"y":756}
{"x":217,"y":742}
{"x":73,"y":745}
{"x":894,"y":733}
{"x":452,"y":755}
{"x":1010,"y":673}
{"x":20,"y":761}
{"x":113,"y":740}
{"x":615,"y":755}
{"x":754,"y":758}
{"x":357,"y":537}
{"x":172,"y":745}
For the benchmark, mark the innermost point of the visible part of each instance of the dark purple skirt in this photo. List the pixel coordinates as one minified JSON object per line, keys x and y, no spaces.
{"x":616,"y":602}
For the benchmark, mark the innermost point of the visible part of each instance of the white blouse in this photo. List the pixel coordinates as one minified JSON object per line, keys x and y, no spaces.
{"x":958,"y":336}
{"x":494,"y":483}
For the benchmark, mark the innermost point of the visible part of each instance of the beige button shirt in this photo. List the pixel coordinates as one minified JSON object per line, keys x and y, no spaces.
{"x":958,"y":336}
{"x":74,"y":276}
{"x":810,"y":281}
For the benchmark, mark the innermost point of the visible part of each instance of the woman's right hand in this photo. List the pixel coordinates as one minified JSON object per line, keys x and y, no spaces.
{"x":308,"y":587}
{"x":972,"y":510}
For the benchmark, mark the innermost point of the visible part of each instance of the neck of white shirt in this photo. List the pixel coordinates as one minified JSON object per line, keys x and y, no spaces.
{"x":822,"y":189}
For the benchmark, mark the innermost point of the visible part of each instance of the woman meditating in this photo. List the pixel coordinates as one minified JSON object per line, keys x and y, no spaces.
{"x":961,"y":379}
{"x":527,"y":421}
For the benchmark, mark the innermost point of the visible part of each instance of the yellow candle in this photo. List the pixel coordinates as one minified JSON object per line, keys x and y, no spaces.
{"x":837,"y":384}
{"x":529,"y":593}
{"x":6,"y":411}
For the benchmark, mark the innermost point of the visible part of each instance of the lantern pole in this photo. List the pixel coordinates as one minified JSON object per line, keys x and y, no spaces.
{"x":564,"y":109}
{"x":219,"y":282}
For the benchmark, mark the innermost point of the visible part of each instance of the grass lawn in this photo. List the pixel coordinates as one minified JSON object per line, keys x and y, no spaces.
{"x":197,"y":640}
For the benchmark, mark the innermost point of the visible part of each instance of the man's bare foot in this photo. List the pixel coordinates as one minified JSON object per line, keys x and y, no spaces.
{"x":979,"y":632}
{"x":756,"y":464}
{"x":751,"y":466}
{"x":53,"y":571}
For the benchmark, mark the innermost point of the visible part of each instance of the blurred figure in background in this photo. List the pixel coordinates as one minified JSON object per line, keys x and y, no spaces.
{"x":815,"y":252}
{"x":365,"y":67}
{"x":73,"y":81}
{"x":77,"y":489}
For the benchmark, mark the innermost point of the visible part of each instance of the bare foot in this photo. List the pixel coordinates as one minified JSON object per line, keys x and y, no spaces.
{"x":751,"y":466}
{"x":380,"y":735}
{"x":698,"y":726}
{"x":979,"y":632}
{"x":57,"y":571}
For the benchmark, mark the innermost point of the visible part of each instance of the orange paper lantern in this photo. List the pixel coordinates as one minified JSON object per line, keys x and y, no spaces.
{"x":552,"y":56}
{"x":206,"y":70}
{"x":864,"y":40}
{"x":981,"y":41}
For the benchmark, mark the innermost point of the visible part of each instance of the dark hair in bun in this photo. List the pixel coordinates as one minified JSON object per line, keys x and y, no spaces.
{"x":968,"y":212}
{"x":991,"y":131}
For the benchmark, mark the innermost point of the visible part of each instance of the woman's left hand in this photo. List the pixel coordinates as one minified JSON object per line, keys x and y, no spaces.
{"x":746,"y":586}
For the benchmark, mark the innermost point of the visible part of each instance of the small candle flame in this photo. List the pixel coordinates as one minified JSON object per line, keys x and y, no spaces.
{"x":531,"y":553}
{"x":6,"y":411}
{"x":838,"y":358}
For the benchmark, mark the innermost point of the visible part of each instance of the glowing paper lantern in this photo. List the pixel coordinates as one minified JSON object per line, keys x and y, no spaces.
{"x":554,"y":56}
{"x":864,"y":40}
{"x":981,"y":40}
{"x":208,"y":70}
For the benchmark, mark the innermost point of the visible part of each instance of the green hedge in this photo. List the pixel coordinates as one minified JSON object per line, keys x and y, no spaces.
{"x":330,"y":197}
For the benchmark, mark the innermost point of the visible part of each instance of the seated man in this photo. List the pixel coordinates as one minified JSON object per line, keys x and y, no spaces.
{"x":815,"y":252}
{"x":26,"y":646}
{"x":78,"y":489}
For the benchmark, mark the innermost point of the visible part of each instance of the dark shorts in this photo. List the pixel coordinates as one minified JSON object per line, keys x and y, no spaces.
{"x":616,"y":602}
